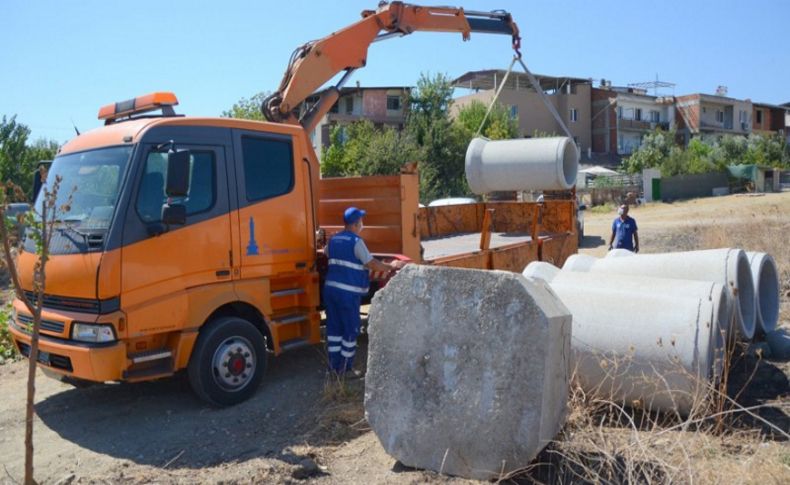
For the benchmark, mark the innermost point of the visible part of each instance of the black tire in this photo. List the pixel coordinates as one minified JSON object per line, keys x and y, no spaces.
{"x":231,"y":345}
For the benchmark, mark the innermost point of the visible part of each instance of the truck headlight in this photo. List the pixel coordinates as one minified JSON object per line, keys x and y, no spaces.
{"x":89,"y":332}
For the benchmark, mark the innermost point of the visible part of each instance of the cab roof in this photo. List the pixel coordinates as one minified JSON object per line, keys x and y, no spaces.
{"x":131,"y":131}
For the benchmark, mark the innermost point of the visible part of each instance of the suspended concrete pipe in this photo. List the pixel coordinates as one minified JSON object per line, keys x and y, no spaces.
{"x":728,"y":267}
{"x":766,"y":289}
{"x":616,"y":283}
{"x":637,"y":346}
{"x":523,"y":164}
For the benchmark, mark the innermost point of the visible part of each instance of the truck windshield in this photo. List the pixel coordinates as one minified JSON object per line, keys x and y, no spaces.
{"x":92,"y":180}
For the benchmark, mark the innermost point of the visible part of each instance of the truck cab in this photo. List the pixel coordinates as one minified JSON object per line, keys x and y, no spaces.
{"x":146,"y":279}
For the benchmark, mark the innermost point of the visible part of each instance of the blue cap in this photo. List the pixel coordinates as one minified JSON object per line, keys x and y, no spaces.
{"x":352,"y":215}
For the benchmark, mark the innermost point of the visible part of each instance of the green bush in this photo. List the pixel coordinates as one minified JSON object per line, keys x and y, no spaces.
{"x":7,"y":349}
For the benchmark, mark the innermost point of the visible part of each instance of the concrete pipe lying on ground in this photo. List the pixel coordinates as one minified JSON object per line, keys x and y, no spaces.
{"x":627,"y":285}
{"x":637,"y":346}
{"x":728,"y":267}
{"x":456,"y":355}
{"x":766,"y":290}
{"x":533,"y":164}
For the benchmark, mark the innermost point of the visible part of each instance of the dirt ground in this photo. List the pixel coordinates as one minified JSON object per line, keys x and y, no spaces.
{"x":302,"y":426}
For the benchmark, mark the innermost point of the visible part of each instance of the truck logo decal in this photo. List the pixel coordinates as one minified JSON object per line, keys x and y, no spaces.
{"x":252,"y":246}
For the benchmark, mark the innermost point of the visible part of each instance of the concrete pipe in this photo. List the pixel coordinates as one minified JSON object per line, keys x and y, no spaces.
{"x":766,"y":290}
{"x":728,"y":267}
{"x":615,"y":283}
{"x":533,"y":164}
{"x":639,"y":348}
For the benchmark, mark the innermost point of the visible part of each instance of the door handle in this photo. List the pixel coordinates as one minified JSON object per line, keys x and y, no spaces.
{"x":222,"y":273}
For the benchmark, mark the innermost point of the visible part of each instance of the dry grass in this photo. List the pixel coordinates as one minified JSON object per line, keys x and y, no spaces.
{"x":733,"y":437}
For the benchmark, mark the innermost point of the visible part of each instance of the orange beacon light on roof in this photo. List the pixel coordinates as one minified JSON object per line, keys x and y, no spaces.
{"x":141,"y":104}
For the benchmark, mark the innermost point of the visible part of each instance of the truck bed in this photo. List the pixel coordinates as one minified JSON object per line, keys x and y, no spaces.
{"x":456,"y":244}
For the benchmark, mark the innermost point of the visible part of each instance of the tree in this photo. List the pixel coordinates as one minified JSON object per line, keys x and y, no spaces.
{"x":18,"y":160}
{"x":443,"y":144}
{"x":41,"y":222}
{"x":247,"y":108}
{"x":499,"y":125}
{"x":656,"y":147}
{"x":360,"y":149}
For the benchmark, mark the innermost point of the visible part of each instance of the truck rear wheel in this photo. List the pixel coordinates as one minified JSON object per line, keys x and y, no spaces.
{"x":228,"y":361}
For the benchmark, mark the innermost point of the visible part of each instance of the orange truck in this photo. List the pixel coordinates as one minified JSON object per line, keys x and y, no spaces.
{"x":193,"y":243}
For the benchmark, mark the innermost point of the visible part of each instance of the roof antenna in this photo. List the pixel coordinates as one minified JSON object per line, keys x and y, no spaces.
{"x":75,"y":126}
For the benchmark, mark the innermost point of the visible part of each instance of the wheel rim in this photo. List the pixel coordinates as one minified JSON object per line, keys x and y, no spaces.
{"x":234,"y":363}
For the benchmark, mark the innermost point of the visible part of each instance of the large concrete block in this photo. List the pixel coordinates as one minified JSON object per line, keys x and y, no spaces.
{"x":467,"y":370}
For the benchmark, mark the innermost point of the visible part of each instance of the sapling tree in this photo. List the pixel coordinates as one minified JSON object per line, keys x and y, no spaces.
{"x":40,"y":224}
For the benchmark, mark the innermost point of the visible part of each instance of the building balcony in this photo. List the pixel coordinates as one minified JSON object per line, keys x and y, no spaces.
{"x":727,"y":126}
{"x":641,"y":125}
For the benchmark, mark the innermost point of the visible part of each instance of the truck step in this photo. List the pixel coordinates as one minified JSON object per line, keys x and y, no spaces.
{"x":287,"y":292}
{"x":296,"y":343}
{"x":290,"y":318}
{"x":150,"y":370}
{"x":150,"y":356}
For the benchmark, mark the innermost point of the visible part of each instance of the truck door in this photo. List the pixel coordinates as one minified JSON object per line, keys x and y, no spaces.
{"x":273,"y":217}
{"x":159,"y":272}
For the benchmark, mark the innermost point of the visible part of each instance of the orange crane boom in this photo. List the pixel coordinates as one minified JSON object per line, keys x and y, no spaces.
{"x":316,"y":62}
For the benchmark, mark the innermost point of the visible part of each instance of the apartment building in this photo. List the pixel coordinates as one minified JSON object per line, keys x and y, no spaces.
{"x":621,"y":116}
{"x":570,"y":97}
{"x":383,"y":106}
{"x":768,"y":119}
{"x":701,"y":114}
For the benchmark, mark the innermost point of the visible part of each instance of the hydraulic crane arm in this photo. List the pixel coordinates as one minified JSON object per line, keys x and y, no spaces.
{"x":316,"y":62}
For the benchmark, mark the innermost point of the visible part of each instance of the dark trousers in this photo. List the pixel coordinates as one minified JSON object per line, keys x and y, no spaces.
{"x":342,"y":327}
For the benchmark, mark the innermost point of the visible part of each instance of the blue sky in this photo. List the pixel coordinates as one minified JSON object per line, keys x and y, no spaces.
{"x":62,"y":60}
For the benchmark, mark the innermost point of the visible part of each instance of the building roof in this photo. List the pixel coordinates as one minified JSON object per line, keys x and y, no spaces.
{"x":517,"y":80}
{"x":774,"y":106}
{"x":715,"y":98}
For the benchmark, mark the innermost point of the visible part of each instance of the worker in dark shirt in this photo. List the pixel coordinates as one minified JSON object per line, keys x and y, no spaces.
{"x":624,"y":231}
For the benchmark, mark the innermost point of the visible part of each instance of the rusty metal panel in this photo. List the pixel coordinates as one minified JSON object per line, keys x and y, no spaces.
{"x":452,"y":219}
{"x":477,"y":260}
{"x":556,"y":248}
{"x":558,"y":216}
{"x":515,"y":257}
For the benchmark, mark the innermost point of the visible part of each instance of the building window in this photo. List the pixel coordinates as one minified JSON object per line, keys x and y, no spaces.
{"x":655,"y":116}
{"x":393,"y":103}
{"x":759,"y":117}
{"x":620,"y":112}
{"x":334,"y":108}
{"x":720,"y":116}
{"x":704,"y":110}
{"x":574,"y":115}
{"x":349,"y":105}
{"x":638,"y":114}
{"x":514,"y":112}
{"x":268,"y":167}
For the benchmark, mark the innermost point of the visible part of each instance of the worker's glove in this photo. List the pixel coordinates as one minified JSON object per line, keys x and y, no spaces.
{"x":636,"y":249}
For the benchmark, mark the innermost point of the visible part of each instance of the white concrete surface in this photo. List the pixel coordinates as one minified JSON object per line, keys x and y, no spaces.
{"x":521,"y":164}
{"x":728,"y":267}
{"x":766,"y":290}
{"x":649,"y":341}
{"x":456,"y":356}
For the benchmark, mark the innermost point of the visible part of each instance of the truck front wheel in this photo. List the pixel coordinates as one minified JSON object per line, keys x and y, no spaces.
{"x":228,"y":361}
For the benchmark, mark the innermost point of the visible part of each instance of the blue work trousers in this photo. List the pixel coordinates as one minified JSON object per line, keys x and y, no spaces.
{"x":342,"y":327}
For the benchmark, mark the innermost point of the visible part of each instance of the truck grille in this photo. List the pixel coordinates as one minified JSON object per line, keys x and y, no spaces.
{"x":46,"y":358}
{"x":87,"y":305}
{"x":47,"y":325}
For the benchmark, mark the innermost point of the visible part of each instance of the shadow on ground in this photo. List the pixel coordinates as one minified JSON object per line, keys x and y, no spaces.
{"x":162,"y":422}
{"x":592,"y":242}
{"x":753,"y":382}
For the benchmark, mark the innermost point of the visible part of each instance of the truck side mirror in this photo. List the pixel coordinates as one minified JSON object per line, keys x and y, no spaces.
{"x":177,"y":173}
{"x":174,"y":214}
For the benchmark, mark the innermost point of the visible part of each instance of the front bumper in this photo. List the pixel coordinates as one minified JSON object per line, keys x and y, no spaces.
{"x":91,"y":362}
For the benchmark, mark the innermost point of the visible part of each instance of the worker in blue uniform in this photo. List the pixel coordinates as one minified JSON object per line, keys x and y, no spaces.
{"x":346,"y":283}
{"x":624,"y":231}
